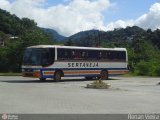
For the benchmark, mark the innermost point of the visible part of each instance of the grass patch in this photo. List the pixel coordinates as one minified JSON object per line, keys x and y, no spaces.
{"x":98,"y":84}
{"x":130,"y":74}
{"x":10,"y":74}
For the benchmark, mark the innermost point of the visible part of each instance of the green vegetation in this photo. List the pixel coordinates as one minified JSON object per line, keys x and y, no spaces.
{"x":143,"y":45}
{"x":98,"y":84}
{"x":10,"y":74}
{"x":27,"y":33}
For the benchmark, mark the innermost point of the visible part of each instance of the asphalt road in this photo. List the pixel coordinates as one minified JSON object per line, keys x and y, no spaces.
{"x":126,"y":95}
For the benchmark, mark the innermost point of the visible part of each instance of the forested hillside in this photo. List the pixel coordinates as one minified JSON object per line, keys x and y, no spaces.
{"x":17,"y":34}
{"x":143,"y":46}
{"x":55,"y":35}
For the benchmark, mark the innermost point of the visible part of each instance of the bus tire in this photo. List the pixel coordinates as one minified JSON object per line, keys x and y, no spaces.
{"x":57,"y":76}
{"x":104,"y":75}
{"x":42,"y":79}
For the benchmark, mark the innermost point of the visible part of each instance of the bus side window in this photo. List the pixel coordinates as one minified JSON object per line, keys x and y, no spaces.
{"x":89,"y":55}
{"x":65,"y":54}
{"x":92,"y":55}
{"x":114,"y":55}
{"x":123,"y":55}
{"x":106,"y":55}
{"x":59,"y":54}
{"x":109,"y":55}
{"x":84,"y":54}
{"x":73,"y":54}
{"x":46,"y":59}
{"x":77,"y":54}
{"x":100,"y":55}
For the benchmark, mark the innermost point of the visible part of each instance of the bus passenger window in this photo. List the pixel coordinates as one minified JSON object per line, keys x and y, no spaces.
{"x":65,"y":54}
{"x":84,"y":55}
{"x":100,"y":55}
{"x":73,"y":54}
{"x":47,"y":57}
{"x":77,"y":54}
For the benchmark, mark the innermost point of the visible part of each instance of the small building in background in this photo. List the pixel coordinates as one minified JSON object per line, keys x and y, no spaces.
{"x":8,"y":36}
{"x":13,"y":37}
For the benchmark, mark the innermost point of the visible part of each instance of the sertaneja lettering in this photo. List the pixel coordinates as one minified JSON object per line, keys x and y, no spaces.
{"x":77,"y":64}
{"x":69,"y":64}
{"x":87,"y":64}
{"x":82,"y":65}
{"x":96,"y":65}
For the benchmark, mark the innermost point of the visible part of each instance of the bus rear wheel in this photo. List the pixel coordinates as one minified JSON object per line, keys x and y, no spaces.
{"x":104,"y":75}
{"x":57,"y":76}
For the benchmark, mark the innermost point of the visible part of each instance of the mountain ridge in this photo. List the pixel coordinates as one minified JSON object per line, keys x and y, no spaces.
{"x":55,"y":35}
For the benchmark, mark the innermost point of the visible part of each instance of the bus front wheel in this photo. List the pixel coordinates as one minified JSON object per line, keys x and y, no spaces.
{"x":104,"y":75}
{"x":57,"y":76}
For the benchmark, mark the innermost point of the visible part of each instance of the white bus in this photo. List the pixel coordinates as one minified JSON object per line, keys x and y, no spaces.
{"x":52,"y":61}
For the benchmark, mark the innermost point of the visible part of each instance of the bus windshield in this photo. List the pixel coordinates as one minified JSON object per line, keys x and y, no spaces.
{"x":38,"y":56}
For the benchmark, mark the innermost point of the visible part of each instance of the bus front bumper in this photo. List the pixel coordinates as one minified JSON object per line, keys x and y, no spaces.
{"x":35,"y":74}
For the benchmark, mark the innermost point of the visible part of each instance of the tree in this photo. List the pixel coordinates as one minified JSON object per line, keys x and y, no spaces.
{"x":27,"y":33}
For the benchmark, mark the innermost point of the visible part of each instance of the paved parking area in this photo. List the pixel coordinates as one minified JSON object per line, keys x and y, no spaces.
{"x":126,"y":95}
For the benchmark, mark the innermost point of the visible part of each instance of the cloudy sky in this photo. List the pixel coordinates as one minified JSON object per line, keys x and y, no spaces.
{"x":71,"y":16}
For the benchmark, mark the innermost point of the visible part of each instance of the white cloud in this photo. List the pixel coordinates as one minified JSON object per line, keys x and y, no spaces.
{"x":148,"y":20}
{"x":68,"y":19}
{"x":77,"y":15}
{"x":4,"y":4}
{"x":119,"y":24}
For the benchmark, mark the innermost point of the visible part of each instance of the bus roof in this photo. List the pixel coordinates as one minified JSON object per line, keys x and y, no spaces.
{"x":76,"y":47}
